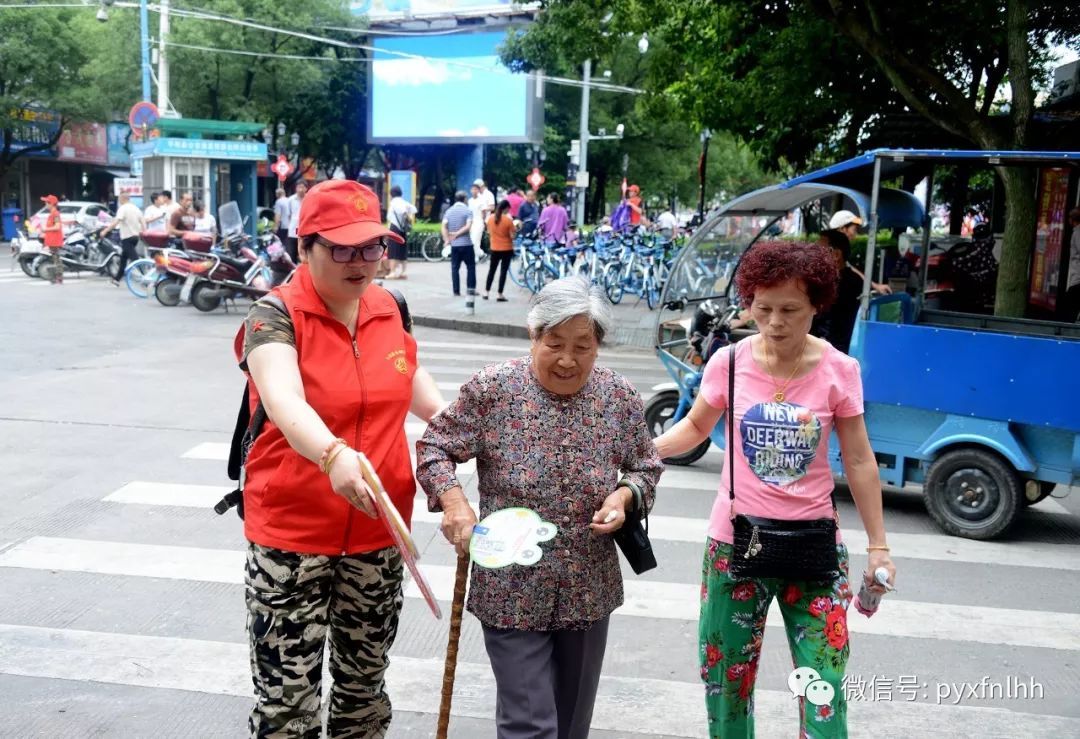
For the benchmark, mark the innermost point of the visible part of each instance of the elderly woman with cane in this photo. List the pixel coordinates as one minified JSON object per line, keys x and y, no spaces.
{"x":554,"y":433}
{"x":774,"y":530}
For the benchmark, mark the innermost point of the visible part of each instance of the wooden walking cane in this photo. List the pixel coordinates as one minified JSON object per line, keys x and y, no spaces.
{"x":450,"y":667}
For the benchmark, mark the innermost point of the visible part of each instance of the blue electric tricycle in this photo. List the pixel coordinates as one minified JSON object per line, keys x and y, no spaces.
{"x":978,"y":410}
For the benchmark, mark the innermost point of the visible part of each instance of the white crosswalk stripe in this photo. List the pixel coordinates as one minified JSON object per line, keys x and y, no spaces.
{"x":644,"y":598}
{"x":654,"y":707}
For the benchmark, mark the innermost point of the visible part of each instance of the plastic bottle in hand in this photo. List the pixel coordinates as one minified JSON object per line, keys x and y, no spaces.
{"x":867,"y":601}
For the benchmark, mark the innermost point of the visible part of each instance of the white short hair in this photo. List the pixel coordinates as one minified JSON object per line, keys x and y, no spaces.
{"x":569,"y":298}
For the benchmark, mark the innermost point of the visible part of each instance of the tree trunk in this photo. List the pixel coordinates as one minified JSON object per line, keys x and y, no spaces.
{"x":1020,"y":217}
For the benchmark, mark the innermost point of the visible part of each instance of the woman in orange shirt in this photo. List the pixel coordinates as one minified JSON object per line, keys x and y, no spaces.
{"x":52,"y":236}
{"x":501,"y":230}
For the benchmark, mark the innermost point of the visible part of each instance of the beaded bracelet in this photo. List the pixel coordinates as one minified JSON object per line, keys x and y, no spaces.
{"x":337,"y":452}
{"x":326,"y":459}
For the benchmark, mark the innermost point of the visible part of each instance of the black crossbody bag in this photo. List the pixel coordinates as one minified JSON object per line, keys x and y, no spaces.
{"x":772,"y":547}
{"x":633,"y":536}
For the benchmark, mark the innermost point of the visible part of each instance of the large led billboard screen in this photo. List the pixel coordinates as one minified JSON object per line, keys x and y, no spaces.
{"x":449,"y":89}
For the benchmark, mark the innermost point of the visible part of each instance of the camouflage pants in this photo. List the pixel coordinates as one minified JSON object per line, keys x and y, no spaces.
{"x":293,"y":601}
{"x":58,"y":266}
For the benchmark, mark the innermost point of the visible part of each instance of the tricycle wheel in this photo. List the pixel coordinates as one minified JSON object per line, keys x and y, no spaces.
{"x":972,"y":493}
{"x":1045,"y":488}
{"x":659,"y":412}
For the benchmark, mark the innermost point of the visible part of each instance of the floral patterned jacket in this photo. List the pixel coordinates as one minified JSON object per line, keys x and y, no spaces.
{"x":560,"y":456}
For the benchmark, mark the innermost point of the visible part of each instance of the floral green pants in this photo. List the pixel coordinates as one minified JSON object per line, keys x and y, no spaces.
{"x":730,"y":631}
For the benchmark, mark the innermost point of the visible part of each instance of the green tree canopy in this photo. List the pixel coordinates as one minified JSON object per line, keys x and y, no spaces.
{"x":803,"y":80}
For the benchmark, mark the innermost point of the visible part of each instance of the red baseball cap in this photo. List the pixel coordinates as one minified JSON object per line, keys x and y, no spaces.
{"x":634,"y":188}
{"x":344,"y":212}
{"x":50,"y":199}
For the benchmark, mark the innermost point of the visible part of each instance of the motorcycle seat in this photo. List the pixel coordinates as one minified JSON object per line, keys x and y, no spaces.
{"x":242,"y":265}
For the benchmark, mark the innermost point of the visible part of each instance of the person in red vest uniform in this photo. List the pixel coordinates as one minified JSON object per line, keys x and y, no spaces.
{"x":52,"y":237}
{"x":336,"y":371}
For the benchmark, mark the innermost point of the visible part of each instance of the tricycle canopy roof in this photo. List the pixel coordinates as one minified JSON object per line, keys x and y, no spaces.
{"x":858,"y":173}
{"x":896,"y":208}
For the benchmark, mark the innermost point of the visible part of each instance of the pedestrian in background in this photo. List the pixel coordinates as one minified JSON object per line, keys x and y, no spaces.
{"x":317,"y":570}
{"x":529,"y":213}
{"x":791,"y":391}
{"x":482,"y":204}
{"x":400,"y":214}
{"x":456,"y":225}
{"x":554,"y":433}
{"x":500,"y":228}
{"x":205,"y":223}
{"x":516,"y":199}
{"x":294,"y":220}
{"x":553,"y":220}
{"x":281,"y":215}
{"x":637,"y":209}
{"x":130,"y":220}
{"x":155,"y":217}
{"x":52,"y":237}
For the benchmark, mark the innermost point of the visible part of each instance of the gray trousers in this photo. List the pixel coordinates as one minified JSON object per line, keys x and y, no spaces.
{"x":546,"y":680}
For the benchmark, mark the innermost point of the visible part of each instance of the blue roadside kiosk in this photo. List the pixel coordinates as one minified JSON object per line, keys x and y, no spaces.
{"x":214,"y":160}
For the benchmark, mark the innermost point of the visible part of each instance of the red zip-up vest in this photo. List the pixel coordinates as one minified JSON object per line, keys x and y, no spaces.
{"x":361,"y":390}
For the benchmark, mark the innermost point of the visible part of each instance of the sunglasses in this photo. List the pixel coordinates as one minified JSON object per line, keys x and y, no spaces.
{"x":372,"y":252}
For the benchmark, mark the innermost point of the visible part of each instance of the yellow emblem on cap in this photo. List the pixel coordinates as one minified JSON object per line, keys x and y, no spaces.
{"x":360,"y":203}
{"x":401,"y":365}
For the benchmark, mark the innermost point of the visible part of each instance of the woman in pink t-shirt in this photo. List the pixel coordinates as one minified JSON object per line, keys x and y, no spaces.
{"x":791,"y":391}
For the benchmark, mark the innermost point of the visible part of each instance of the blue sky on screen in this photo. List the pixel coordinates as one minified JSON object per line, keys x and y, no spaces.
{"x":460,"y":89}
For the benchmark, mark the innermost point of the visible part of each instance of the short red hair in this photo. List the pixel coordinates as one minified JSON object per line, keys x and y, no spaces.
{"x":771,"y":263}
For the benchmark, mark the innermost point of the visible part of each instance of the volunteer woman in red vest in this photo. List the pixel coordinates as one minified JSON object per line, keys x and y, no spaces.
{"x":52,"y":237}
{"x":336,"y":371}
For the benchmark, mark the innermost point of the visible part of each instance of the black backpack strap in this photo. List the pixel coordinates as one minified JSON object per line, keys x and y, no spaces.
{"x":731,"y":426}
{"x":403,"y":309}
{"x":248,"y":427}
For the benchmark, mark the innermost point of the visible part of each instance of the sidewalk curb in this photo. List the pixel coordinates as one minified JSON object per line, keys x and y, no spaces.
{"x":503,"y":330}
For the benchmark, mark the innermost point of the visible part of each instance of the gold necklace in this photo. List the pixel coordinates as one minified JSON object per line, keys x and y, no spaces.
{"x":778,"y":396}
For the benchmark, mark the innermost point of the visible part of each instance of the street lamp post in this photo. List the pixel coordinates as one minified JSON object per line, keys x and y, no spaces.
{"x":583,"y":137}
{"x":706,"y":135}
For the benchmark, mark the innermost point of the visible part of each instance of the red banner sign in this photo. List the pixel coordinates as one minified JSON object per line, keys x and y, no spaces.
{"x":1046,"y":266}
{"x":84,"y":142}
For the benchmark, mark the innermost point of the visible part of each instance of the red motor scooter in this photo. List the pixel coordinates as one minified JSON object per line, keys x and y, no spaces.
{"x":233,"y":269}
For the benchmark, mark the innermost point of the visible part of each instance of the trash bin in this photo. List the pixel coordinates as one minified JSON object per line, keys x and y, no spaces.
{"x":13,"y":222}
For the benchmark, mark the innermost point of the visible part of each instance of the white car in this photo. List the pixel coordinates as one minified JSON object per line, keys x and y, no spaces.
{"x":82,"y":212}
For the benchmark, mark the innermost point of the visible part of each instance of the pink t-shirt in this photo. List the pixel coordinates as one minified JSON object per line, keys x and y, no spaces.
{"x":782,"y":453}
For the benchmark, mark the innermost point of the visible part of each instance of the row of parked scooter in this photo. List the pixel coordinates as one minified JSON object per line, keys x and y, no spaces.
{"x":193,"y":268}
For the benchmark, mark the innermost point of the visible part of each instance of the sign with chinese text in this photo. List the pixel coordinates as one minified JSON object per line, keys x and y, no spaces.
{"x":130,"y":185}
{"x":199,"y":149}
{"x":32,"y":127}
{"x":83,"y":142}
{"x":1050,"y":208}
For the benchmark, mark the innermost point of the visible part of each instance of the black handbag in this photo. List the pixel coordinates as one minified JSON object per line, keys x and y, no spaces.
{"x":772,"y":547}
{"x":633,"y":538}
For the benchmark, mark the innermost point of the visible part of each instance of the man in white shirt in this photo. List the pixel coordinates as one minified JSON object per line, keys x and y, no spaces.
{"x":281,"y":215}
{"x":294,"y":219}
{"x":667,"y":225}
{"x":155,"y":217}
{"x":205,"y":223}
{"x":482,"y":204}
{"x":130,"y":220}
{"x":400,"y":215}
